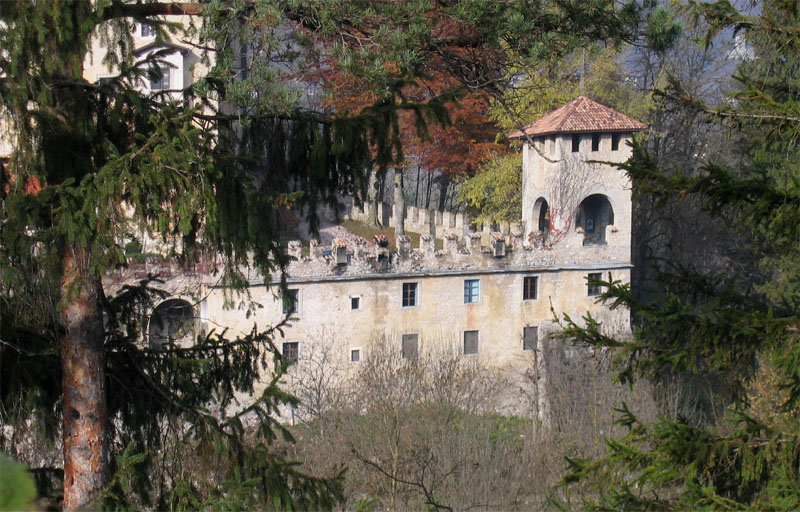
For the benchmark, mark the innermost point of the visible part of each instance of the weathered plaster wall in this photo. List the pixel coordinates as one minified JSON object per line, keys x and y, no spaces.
{"x":564,"y":178}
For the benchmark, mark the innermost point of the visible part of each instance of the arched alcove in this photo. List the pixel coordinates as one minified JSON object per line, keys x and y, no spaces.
{"x":594,"y":215}
{"x":171,"y":321}
{"x":541,"y":215}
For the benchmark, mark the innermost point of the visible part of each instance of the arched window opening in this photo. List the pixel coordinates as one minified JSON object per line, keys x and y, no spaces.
{"x":172,"y":321}
{"x":541,"y":212}
{"x":595,"y":214}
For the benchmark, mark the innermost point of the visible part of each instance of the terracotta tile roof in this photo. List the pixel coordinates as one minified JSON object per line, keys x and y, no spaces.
{"x":579,"y":116}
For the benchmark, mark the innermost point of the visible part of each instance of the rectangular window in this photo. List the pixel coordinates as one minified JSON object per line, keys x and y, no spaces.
{"x":595,"y":142}
{"x":592,"y":288}
{"x":148,"y":30}
{"x":409,"y":294}
{"x":355,"y":355}
{"x":615,"y":138}
{"x":410,"y":347}
{"x":291,"y":351}
{"x":159,"y":79}
{"x":470,"y":342}
{"x":355,"y":303}
{"x":471,"y":291}
{"x":291,"y":302}
{"x":530,"y":335}
{"x":529,"y":287}
{"x":576,"y":142}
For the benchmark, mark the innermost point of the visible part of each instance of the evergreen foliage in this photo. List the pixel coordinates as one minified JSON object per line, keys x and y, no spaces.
{"x":207,"y":169}
{"x":720,"y":324}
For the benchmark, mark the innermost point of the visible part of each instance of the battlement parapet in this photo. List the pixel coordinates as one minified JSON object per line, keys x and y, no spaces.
{"x":355,"y":256}
{"x":352,"y":257}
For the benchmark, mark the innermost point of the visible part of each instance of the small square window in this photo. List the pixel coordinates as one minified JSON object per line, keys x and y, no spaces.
{"x":159,"y":79}
{"x":409,"y":294}
{"x":615,"y":138}
{"x":148,"y":30}
{"x":594,"y":289}
{"x":529,"y":287}
{"x":471,"y":291}
{"x":355,"y":355}
{"x":291,"y":302}
{"x":355,"y":303}
{"x":576,"y":142}
{"x":530,"y":336}
{"x":470,"y":343}
{"x":291,"y":351}
{"x":410,"y":348}
{"x":595,"y":142}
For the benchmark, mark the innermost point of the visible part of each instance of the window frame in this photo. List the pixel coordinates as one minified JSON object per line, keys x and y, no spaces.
{"x":357,"y":351}
{"x":526,"y":346}
{"x":147,"y":30}
{"x":526,"y":288}
{"x":477,"y":334}
{"x":290,"y":350}
{"x":357,"y":298}
{"x":163,"y":83}
{"x":290,"y":305}
{"x":593,"y":291}
{"x":474,"y":295}
{"x":409,"y":300}
{"x":415,"y":354}
{"x":596,"y":142}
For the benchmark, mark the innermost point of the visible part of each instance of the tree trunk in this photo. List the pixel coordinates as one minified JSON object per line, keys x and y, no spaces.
{"x":83,"y":380}
{"x":444,"y":188}
{"x":399,"y":208}
{"x":416,"y":192}
{"x":429,"y":190}
{"x":372,"y":200}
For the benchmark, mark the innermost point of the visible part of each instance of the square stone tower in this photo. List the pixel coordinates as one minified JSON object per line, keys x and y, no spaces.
{"x":567,"y":187}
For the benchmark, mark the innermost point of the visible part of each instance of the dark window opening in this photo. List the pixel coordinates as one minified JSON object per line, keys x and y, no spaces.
{"x":410,"y":348}
{"x":409,"y":294}
{"x":291,"y":351}
{"x":529,"y":288}
{"x":594,"y":289}
{"x":615,"y":138}
{"x":290,"y":302}
{"x":355,"y":355}
{"x":159,"y":79}
{"x":148,"y":30}
{"x":594,"y":215}
{"x":172,"y":321}
{"x":576,"y":142}
{"x":544,"y":214}
{"x":595,"y":142}
{"x":470,"y":342}
{"x":530,"y":336}
{"x":355,"y":302}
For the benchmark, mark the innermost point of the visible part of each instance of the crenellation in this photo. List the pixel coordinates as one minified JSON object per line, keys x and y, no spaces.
{"x":499,"y":280}
{"x":427,"y":245}
{"x":451,"y":244}
{"x":295,"y":249}
{"x":474,"y":242}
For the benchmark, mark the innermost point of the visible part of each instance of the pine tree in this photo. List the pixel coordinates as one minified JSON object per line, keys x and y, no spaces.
{"x":722,"y":324}
{"x":210,"y":170}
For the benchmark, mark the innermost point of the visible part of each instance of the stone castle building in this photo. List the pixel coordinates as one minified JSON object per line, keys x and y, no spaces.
{"x":491,"y":299}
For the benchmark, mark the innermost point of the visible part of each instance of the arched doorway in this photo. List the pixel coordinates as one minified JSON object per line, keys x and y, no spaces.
{"x":594,"y":215}
{"x":172,"y":321}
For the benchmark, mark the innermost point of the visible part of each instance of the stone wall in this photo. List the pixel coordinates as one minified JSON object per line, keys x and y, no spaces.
{"x":431,"y":221}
